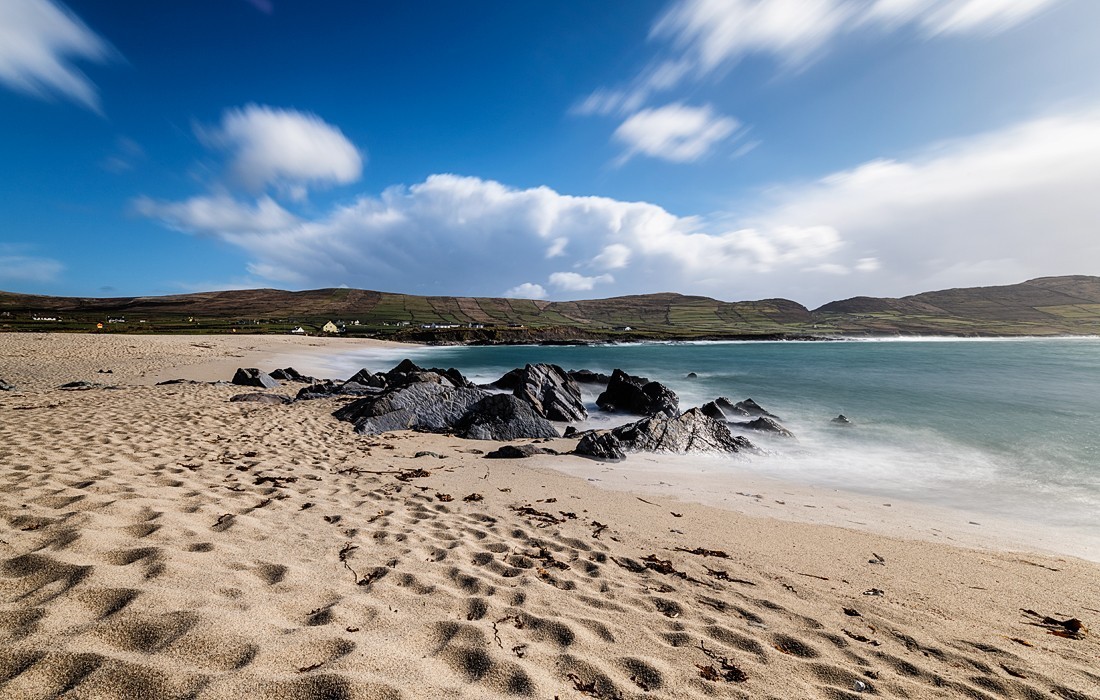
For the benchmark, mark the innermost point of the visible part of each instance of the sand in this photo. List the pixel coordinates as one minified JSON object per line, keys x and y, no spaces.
{"x":160,"y":541}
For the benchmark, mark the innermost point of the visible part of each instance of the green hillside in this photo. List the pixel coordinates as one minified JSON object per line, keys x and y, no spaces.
{"x":1044,"y":306}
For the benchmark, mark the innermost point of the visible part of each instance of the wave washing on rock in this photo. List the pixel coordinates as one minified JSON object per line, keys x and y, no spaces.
{"x":410,"y":397}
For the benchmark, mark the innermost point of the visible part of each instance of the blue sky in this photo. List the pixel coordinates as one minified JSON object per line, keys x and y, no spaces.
{"x":810,"y":149}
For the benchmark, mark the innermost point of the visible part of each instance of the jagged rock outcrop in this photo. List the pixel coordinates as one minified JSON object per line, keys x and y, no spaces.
{"x":269,"y":399}
{"x":585,"y":376}
{"x":503,"y":417}
{"x":253,"y":377}
{"x":841,"y":420}
{"x":764,"y":424}
{"x":289,"y":374}
{"x":711,"y":409}
{"x":729,"y":408}
{"x":365,"y":377}
{"x":408,"y":372}
{"x":691,"y":432}
{"x":602,"y":446}
{"x":751,"y":408}
{"x":422,"y":405}
{"x":509,"y":381}
{"x":552,"y":393}
{"x":639,"y":396}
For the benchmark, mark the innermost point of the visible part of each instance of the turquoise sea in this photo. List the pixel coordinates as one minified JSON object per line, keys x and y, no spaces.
{"x":1006,"y":427}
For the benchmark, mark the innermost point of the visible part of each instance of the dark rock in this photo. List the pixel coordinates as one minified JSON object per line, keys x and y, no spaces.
{"x":105,"y":371}
{"x":638,"y":395}
{"x":711,"y":409}
{"x":289,"y":374}
{"x":503,"y":417}
{"x":570,"y":431}
{"x":407,"y":372}
{"x":321,"y":389}
{"x":4,"y":386}
{"x":510,"y":381}
{"x":765,"y":424}
{"x":424,"y":406}
{"x":751,"y":408}
{"x":254,"y":377}
{"x":602,"y":446}
{"x":78,"y":386}
{"x":365,"y":377}
{"x":356,"y":389}
{"x":518,"y":452}
{"x":270,"y":399}
{"x":428,"y":453}
{"x":584,"y":376}
{"x":729,"y":407}
{"x":692,"y":375}
{"x":169,"y":382}
{"x":402,"y":419}
{"x":552,"y":393}
{"x":691,"y":432}
{"x":841,"y":420}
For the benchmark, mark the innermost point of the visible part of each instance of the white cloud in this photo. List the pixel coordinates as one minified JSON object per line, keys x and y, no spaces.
{"x":995,"y":208}
{"x":527,"y":290}
{"x":867,"y":264}
{"x":39,"y":39}
{"x":464,"y":235}
{"x":220,"y":213}
{"x":714,"y":33}
{"x":285,"y":148}
{"x":573,"y":282}
{"x":26,"y":268}
{"x":984,"y":210}
{"x":613,"y":257}
{"x":557,"y":247}
{"x":674,"y":132}
{"x":701,"y":37}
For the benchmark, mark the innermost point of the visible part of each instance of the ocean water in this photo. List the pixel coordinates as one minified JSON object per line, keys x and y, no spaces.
{"x":1006,"y":427}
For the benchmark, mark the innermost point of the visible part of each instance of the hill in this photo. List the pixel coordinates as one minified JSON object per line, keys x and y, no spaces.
{"x":1044,"y":306}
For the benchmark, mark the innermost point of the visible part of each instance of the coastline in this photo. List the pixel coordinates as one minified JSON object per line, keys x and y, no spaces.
{"x":239,"y":536}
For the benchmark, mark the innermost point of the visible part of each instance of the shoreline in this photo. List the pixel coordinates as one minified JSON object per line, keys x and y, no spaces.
{"x":714,"y":481}
{"x":165,"y":541}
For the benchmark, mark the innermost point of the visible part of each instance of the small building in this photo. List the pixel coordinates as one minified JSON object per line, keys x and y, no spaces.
{"x":298,"y":330}
{"x":332,"y":327}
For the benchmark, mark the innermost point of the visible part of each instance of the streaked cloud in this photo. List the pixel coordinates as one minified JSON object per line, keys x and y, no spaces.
{"x":675,"y":132}
{"x":27,"y":268}
{"x":220,"y":213}
{"x":40,"y":41}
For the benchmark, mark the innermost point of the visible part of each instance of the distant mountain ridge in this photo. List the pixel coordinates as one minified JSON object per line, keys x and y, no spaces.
{"x":1067,"y":305}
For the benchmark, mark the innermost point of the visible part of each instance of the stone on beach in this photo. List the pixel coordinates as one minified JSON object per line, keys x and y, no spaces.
{"x":553,"y":393}
{"x":503,"y":417}
{"x":638,"y":395}
{"x":253,"y":377}
{"x":270,"y":399}
{"x":423,"y":405}
{"x":691,"y":432}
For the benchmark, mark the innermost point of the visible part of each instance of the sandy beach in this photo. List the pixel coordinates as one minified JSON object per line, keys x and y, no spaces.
{"x":158,"y":541}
